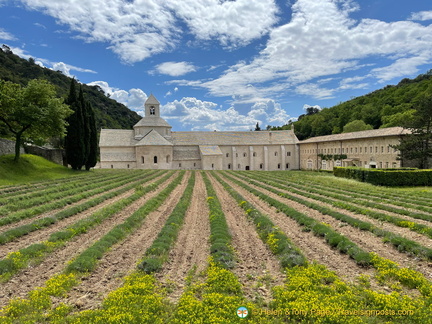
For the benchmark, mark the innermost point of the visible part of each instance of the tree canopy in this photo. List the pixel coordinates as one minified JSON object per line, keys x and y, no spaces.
{"x":33,"y":111}
{"x":417,"y":146}
{"x":382,"y":108}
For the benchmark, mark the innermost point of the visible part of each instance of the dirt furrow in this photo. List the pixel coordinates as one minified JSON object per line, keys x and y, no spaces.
{"x":364,"y":239}
{"x":405,"y":217}
{"x":35,"y":276}
{"x":314,"y":248}
{"x":122,"y":259}
{"x":256,"y":263}
{"x":192,"y":248}
{"x":44,"y":233}
{"x":54,"y":211}
{"x":403,"y":231}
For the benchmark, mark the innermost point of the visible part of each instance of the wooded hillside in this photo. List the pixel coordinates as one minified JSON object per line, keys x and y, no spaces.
{"x":382,"y":108}
{"x":108,"y":112}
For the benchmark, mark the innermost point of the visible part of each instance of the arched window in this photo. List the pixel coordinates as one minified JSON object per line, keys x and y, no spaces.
{"x":244,"y":154}
{"x":142,"y":159}
{"x":128,"y":166}
{"x":287,"y":166}
{"x":288,"y":153}
{"x":212,"y":165}
{"x":155,"y":159}
{"x":152,"y":110}
{"x":261,"y":166}
{"x":275,"y":153}
{"x":229,"y":166}
{"x":227,"y":155}
{"x":279,"y":165}
{"x":254,"y":153}
{"x":236,"y":154}
{"x":167,"y":158}
{"x":179,"y":165}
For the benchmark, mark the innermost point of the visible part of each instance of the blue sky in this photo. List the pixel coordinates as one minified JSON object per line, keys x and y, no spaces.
{"x":225,"y":65}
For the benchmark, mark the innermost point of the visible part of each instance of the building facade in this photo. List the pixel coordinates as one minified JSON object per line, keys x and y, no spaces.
{"x":367,"y":149}
{"x":152,"y":145}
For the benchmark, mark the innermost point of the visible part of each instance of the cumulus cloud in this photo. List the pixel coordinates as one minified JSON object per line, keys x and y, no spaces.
{"x":175,"y":68}
{"x":206,"y":115}
{"x":139,"y":29}
{"x":421,"y":16}
{"x":233,"y":23}
{"x":321,"y":41}
{"x":134,"y":99}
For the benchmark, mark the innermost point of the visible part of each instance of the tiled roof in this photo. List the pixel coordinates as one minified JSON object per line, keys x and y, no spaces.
{"x":116,"y":137}
{"x":186,"y":153}
{"x":152,"y":121}
{"x":152,"y":100}
{"x":153,"y":138}
{"x":234,"y":138}
{"x":210,"y":150}
{"x":381,"y":132}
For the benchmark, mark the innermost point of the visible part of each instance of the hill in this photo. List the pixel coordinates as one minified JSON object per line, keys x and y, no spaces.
{"x":30,"y":168}
{"x":380,"y":109}
{"x":108,"y":112}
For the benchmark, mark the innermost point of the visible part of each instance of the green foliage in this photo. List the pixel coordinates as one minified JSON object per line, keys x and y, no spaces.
{"x":33,"y":111}
{"x":386,"y":107}
{"x":81,"y":138}
{"x":157,"y":253}
{"x":388,"y":177}
{"x":220,"y":237}
{"x":288,"y":254}
{"x":417,"y":146}
{"x":87,"y":260}
{"x":356,"y":126}
{"x":108,"y":112}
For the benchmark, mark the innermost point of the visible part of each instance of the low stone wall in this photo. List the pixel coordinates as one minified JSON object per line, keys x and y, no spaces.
{"x":8,"y":147}
{"x":53,"y":155}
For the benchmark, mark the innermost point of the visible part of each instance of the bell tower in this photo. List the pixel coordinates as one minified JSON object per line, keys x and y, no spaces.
{"x":152,"y":107}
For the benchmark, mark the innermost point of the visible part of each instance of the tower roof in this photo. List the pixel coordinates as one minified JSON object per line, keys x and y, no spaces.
{"x":152,"y":100}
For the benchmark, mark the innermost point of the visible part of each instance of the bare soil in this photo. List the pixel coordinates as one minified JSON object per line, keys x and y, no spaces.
{"x":364,"y":239}
{"x":257,"y":267}
{"x":192,"y":249}
{"x":122,"y":259}
{"x":314,"y":248}
{"x":35,"y":276}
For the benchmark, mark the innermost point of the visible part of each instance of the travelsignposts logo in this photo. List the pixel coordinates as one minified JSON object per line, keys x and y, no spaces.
{"x":242,"y":312}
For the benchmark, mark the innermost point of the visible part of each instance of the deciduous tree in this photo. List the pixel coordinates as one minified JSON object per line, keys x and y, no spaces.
{"x":33,"y":111}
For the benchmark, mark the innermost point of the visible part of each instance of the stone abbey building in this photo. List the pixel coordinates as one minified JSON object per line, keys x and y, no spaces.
{"x":152,"y":145}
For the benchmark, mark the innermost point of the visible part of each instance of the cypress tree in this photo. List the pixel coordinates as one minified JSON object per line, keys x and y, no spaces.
{"x":85,"y":126}
{"x":93,"y":142}
{"x":74,"y":142}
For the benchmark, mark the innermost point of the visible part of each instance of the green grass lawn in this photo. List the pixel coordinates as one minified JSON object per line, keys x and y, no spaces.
{"x":30,"y":168}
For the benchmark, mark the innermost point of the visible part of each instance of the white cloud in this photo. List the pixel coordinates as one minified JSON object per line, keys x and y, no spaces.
{"x":62,"y":67}
{"x":322,"y":41}
{"x":139,"y":29}
{"x":134,"y":99}
{"x":4,"y":35}
{"x":205,"y":115}
{"x":421,"y":16}
{"x":66,"y":68}
{"x":232,"y":23}
{"x":175,"y":68}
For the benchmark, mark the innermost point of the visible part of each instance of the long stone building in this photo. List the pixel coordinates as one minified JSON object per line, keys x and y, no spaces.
{"x":152,"y":145}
